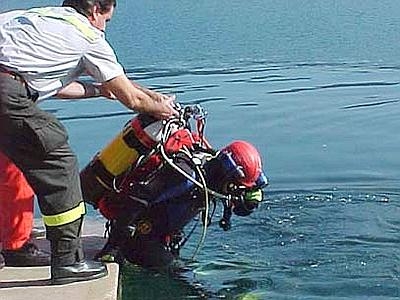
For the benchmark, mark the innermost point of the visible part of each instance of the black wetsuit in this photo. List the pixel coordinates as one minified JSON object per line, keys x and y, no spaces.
{"x":155,"y":211}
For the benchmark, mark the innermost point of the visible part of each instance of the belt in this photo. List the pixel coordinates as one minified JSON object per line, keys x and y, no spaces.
{"x":18,"y":77}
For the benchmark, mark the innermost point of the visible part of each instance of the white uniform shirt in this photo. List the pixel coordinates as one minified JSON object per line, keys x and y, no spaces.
{"x":51,"y":47}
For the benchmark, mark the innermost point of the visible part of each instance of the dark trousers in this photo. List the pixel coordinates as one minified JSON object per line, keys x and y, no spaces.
{"x":38,"y":144}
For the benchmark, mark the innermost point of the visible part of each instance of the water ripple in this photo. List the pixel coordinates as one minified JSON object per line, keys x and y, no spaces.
{"x":261,"y":79}
{"x":245,"y":104}
{"x":363,"y":239}
{"x":204,"y":100}
{"x":151,"y":73}
{"x":96,"y":116}
{"x":370,"y":104}
{"x":335,"y":86}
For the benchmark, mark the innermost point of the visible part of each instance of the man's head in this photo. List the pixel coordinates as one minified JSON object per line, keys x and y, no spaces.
{"x":99,"y":12}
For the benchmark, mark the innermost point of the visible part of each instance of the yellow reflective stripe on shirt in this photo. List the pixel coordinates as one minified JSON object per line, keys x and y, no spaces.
{"x":65,"y":217}
{"x":84,"y":28}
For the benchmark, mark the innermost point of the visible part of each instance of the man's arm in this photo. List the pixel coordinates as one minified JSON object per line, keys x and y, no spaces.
{"x":79,"y":90}
{"x":139,"y":98}
{"x":129,"y":93}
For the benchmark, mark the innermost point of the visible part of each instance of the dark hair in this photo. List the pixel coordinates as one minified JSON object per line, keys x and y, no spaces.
{"x":85,"y":6}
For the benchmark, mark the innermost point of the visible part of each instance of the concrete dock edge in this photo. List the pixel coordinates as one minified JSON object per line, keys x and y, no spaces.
{"x":34,"y":283}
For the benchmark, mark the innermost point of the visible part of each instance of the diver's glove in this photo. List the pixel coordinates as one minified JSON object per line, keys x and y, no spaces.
{"x":111,"y":251}
{"x":248,"y":202}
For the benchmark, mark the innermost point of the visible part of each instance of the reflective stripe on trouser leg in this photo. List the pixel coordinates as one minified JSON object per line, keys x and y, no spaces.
{"x":65,"y":217}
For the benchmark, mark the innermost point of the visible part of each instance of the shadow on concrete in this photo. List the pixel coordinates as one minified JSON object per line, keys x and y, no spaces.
{"x":28,"y":283}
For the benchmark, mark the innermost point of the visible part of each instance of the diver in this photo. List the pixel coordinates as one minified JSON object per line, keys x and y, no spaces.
{"x":182,"y":181}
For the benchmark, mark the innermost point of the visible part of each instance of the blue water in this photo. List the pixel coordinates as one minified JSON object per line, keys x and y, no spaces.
{"x":315,"y":86}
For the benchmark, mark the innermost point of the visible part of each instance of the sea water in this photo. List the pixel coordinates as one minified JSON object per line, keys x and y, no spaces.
{"x":314,"y":85}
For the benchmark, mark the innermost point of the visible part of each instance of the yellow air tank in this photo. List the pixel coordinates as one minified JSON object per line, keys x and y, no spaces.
{"x":137,"y":138}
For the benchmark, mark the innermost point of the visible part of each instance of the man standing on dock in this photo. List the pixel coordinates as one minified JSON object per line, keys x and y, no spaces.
{"x":42,"y":53}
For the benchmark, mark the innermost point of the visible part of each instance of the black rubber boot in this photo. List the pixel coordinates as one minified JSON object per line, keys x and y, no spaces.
{"x":67,"y":259}
{"x":79,"y":271}
{"x":28,"y":255}
{"x":2,"y":263}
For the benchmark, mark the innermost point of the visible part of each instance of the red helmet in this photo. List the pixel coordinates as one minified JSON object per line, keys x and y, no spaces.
{"x":247,"y":160}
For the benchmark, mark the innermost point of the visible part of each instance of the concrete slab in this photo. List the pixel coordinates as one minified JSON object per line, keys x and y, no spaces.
{"x":34,"y":283}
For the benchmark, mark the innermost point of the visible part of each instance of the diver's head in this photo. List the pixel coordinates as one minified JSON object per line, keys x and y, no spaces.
{"x":237,"y":166}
